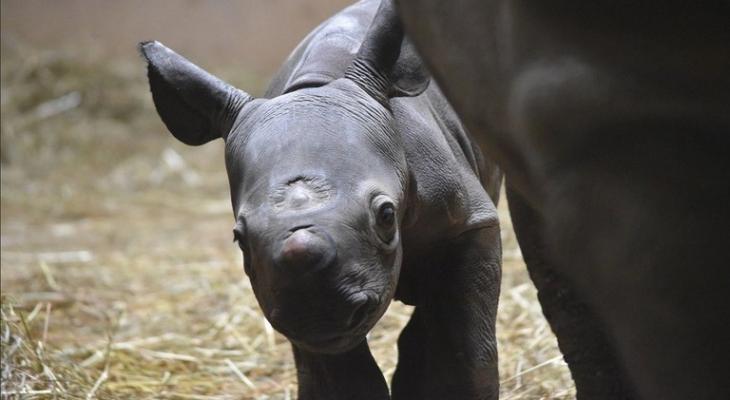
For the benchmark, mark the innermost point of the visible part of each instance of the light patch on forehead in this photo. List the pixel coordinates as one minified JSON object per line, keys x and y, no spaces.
{"x":301,"y":193}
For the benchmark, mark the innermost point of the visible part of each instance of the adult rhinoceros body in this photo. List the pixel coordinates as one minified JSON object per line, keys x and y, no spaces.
{"x":353,"y":182}
{"x":611,"y":121}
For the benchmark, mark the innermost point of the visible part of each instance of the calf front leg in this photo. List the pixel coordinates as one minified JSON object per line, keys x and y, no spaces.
{"x":352,"y":375}
{"x":448,"y":350}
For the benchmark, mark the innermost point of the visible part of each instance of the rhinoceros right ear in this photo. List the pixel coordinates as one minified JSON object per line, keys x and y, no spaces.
{"x":387,"y":64}
{"x":195,"y":106}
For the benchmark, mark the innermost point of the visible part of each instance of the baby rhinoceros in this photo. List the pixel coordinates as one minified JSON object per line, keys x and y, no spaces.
{"x":354,"y":183}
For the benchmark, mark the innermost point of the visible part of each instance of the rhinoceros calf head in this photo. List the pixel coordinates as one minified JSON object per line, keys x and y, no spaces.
{"x":318,"y":182}
{"x":318,"y":179}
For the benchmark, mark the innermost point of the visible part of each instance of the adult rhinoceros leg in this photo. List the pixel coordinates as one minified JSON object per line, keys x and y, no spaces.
{"x":448,"y":350}
{"x":581,"y":336}
{"x":352,"y":375}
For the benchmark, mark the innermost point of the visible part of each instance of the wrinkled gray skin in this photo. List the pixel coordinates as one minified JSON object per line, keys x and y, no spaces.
{"x":353,"y":183}
{"x":612,"y":124}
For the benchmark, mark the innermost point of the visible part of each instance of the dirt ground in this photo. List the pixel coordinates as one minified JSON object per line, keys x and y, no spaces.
{"x":119,"y":277}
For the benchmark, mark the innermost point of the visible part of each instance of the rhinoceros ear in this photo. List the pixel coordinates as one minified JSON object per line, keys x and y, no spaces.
{"x":387,"y":64}
{"x":195,"y":106}
{"x":409,"y":76}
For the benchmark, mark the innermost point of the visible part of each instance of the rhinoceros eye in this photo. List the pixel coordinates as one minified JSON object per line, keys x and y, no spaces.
{"x":239,"y":234}
{"x":386,"y":215}
{"x":385,"y":218}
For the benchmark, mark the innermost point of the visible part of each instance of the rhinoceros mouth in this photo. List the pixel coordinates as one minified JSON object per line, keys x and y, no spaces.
{"x":332,"y":337}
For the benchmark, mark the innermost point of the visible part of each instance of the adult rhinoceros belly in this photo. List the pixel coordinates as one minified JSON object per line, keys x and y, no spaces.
{"x":326,"y":52}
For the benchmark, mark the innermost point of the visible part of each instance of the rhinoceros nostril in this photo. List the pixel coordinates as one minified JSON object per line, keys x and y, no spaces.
{"x":361,"y":310}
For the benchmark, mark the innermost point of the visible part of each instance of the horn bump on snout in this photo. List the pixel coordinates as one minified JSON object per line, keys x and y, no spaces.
{"x":305,"y":251}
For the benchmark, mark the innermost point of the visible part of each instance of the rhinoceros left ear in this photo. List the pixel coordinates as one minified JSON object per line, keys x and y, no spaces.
{"x":195,"y":106}
{"x":387,"y":64}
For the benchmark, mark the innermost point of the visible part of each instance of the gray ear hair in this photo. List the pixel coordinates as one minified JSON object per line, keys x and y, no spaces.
{"x":195,"y":106}
{"x":387,"y":64}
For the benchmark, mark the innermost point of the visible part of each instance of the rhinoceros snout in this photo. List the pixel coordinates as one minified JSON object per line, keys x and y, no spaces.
{"x":306,"y":250}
